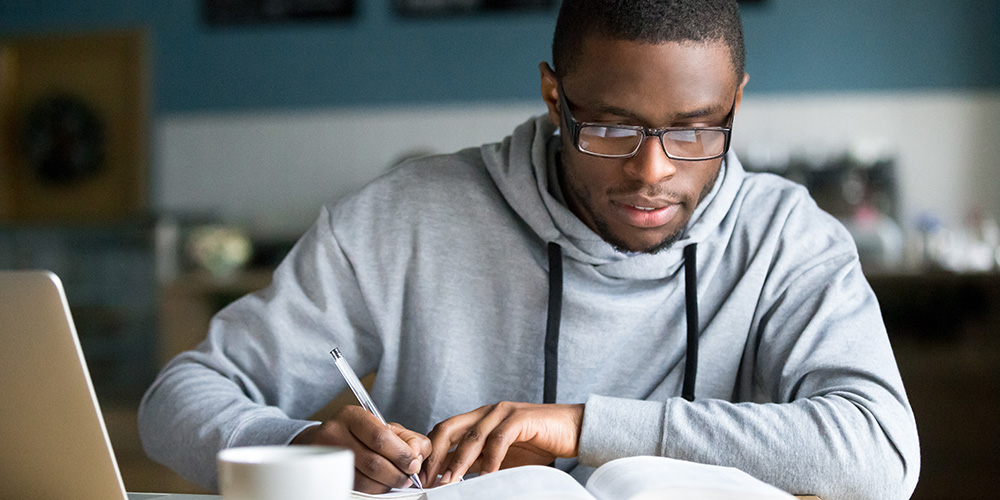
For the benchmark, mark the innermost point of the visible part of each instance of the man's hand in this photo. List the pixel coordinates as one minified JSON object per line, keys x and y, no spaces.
{"x":502,"y":435}
{"x":384,"y":457}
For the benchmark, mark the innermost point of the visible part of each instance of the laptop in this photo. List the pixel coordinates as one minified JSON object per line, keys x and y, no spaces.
{"x":53,"y":441}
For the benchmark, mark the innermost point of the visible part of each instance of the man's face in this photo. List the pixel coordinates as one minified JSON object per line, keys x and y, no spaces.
{"x":642,"y":203}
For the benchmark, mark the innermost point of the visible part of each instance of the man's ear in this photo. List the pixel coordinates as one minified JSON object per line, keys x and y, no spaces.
{"x":739,"y":93}
{"x":550,"y":92}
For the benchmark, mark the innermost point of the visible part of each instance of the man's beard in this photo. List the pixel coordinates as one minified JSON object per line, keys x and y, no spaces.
{"x":603,"y":228}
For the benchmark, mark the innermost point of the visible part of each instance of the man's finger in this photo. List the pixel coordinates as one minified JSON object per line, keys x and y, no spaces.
{"x":469,"y":448}
{"x":338,"y":433}
{"x":378,"y":468}
{"x":420,"y":447}
{"x":385,"y":456}
{"x":497,"y":445}
{"x":366,"y":484}
{"x":443,"y":437}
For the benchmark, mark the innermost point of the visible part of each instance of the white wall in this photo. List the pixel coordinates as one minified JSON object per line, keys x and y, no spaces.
{"x":946,"y":144}
{"x":272,"y":171}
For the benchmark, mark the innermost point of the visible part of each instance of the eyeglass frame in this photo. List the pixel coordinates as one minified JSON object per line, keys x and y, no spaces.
{"x":574,"y":127}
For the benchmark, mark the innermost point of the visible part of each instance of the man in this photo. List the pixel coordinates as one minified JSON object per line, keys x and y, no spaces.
{"x":621,"y":287}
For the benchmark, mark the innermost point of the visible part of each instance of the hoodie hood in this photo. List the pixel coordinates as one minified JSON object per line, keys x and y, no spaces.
{"x":521,"y":166}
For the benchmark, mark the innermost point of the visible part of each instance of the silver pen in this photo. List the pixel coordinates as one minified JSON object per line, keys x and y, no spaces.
{"x":363,"y":397}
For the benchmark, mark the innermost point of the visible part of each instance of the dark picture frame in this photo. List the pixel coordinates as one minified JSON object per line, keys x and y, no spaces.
{"x":251,"y":12}
{"x":433,"y":8}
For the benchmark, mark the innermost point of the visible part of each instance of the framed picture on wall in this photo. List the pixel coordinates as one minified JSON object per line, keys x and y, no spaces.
{"x":421,"y":8}
{"x":73,"y":127}
{"x":244,"y":12}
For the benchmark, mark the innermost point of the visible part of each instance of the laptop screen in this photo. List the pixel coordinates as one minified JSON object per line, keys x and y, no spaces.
{"x":53,"y":442}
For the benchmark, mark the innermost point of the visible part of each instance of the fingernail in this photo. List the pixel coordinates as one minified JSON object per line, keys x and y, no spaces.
{"x":414,"y":466}
{"x":446,"y":477}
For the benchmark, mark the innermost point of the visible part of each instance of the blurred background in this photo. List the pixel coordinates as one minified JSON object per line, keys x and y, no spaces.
{"x":162,"y":157}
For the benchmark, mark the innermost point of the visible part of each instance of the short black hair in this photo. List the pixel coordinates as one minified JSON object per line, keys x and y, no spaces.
{"x":649,"y":21}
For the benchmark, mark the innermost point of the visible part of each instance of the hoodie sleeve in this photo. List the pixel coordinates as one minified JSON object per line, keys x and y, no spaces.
{"x":247,"y":383}
{"x":827,"y":414}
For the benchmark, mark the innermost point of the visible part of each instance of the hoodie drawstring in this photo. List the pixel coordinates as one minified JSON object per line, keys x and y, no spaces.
{"x":552,"y":325}
{"x":691,"y":307}
{"x":555,"y":317}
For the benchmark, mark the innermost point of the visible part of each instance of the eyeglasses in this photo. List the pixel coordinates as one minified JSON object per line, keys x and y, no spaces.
{"x":623,"y":141}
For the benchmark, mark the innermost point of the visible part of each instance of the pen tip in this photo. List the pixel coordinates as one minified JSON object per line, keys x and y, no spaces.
{"x":336,"y":353}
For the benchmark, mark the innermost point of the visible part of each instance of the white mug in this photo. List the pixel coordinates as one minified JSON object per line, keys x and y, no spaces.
{"x":286,"y":472}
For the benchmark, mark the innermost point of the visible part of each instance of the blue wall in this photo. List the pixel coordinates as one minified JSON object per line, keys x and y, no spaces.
{"x":379,"y":59}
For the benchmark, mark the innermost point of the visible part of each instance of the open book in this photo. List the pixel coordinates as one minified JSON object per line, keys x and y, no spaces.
{"x":633,"y":478}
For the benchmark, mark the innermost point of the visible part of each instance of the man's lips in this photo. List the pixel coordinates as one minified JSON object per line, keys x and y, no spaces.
{"x":646,"y":213}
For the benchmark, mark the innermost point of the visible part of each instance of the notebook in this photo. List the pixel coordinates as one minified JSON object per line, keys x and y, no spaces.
{"x":53,"y":441}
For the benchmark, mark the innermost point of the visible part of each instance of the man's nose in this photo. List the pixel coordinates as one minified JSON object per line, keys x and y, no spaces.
{"x":650,"y":164}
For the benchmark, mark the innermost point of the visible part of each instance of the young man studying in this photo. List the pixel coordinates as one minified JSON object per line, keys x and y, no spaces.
{"x":605,"y":282}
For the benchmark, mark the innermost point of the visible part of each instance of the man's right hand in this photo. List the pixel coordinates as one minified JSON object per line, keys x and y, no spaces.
{"x":384,"y":457}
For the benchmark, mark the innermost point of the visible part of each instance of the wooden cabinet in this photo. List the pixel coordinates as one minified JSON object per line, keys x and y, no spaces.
{"x":188,"y":302}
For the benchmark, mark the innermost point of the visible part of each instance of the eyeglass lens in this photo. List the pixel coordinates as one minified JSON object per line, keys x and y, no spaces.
{"x":681,"y":144}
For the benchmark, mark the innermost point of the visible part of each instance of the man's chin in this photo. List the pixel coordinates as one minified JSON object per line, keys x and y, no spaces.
{"x":626,"y":245}
{"x":666,"y":244}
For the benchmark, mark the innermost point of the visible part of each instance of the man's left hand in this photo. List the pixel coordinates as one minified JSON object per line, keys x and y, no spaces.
{"x":502,"y":435}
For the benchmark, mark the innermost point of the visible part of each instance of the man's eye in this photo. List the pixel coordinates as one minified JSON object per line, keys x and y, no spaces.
{"x":612,"y":132}
{"x":684,"y":135}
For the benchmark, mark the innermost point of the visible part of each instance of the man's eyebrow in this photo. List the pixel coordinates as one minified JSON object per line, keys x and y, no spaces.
{"x":700,"y":112}
{"x":685,"y":115}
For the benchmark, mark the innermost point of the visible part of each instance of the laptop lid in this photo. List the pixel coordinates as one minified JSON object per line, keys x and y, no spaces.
{"x":53,"y":442}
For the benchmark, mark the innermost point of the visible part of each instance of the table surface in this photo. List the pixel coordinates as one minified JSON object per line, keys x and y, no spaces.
{"x":177,"y":496}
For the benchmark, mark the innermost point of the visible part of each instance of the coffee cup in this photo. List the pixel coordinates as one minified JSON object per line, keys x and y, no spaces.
{"x":286,"y":472}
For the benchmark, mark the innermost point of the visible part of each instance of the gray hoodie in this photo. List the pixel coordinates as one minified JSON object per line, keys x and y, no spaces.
{"x":436,"y":276}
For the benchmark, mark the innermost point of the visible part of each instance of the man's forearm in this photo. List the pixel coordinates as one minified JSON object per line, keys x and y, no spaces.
{"x":829,"y":446}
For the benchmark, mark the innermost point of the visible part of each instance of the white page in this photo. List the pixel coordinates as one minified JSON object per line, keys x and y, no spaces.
{"x":638,"y":478}
{"x":171,"y":496}
{"x":397,"y":493}
{"x":533,"y":482}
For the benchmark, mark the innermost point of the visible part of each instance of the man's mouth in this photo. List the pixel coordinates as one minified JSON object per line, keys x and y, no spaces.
{"x":647,"y":214}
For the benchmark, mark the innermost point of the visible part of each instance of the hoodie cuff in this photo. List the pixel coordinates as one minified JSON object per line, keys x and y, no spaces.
{"x":268,"y":431}
{"x":615,"y":428}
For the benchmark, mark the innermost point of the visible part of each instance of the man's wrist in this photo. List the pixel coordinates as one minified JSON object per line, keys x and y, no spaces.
{"x":578,"y":411}
{"x":306,"y":436}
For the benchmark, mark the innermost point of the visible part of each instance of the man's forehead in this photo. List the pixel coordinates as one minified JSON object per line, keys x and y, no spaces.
{"x":686,"y":77}
{"x":595,"y":45}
